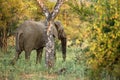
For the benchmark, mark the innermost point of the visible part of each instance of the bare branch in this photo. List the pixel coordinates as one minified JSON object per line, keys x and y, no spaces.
{"x":44,"y":9}
{"x":56,"y":9}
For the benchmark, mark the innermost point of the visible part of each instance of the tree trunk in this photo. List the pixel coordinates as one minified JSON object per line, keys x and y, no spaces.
{"x":49,"y":56}
{"x":50,"y":51}
{"x":4,"y":41}
{"x":1,"y":44}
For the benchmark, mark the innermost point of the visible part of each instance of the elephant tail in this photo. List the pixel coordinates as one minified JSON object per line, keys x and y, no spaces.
{"x":18,"y":40}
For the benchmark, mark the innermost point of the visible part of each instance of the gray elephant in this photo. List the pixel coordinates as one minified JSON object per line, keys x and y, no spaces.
{"x":31,"y":35}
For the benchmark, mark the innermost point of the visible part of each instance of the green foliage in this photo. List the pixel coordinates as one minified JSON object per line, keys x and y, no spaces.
{"x":83,"y":8}
{"x":32,"y":71}
{"x":108,"y":37}
{"x":12,"y":13}
{"x":100,"y":39}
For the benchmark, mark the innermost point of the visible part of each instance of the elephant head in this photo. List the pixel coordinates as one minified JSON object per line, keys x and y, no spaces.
{"x":58,"y":32}
{"x":61,"y":36}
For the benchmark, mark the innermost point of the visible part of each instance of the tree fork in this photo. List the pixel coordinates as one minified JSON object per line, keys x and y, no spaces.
{"x":50,"y":50}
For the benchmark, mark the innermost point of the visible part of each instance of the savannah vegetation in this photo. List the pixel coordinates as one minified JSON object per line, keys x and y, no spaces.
{"x":93,"y":40}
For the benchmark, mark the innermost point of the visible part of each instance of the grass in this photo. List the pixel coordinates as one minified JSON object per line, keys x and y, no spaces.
{"x":23,"y":70}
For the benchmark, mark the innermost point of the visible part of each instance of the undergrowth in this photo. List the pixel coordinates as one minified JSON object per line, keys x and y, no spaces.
{"x":23,"y":70}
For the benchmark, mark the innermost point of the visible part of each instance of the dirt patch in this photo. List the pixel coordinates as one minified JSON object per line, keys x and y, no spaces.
{"x":39,"y":75}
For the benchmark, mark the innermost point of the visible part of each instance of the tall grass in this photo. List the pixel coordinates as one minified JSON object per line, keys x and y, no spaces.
{"x":23,"y":70}
{"x":74,"y":68}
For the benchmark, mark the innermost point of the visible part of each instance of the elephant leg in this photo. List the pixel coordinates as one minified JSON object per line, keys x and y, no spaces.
{"x":39,"y":55}
{"x":27,"y":55}
{"x":16,"y":57}
{"x":64,"y":57}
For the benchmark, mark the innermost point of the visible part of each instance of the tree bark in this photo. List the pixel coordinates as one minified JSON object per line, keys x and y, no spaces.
{"x":50,"y":50}
{"x":4,"y":41}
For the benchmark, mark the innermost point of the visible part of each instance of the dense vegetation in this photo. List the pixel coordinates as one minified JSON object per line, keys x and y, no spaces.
{"x":101,"y":37}
{"x":93,"y":33}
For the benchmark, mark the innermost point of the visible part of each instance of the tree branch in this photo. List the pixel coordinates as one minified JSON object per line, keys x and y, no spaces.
{"x":56,"y":9}
{"x":44,"y":9}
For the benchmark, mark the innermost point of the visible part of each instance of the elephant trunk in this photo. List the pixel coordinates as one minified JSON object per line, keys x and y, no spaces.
{"x":62,"y":37}
{"x":64,"y":43}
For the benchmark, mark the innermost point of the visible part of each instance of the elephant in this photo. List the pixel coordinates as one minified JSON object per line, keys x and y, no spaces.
{"x":32,"y":35}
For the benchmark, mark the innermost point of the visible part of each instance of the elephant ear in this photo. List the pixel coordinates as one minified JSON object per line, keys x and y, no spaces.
{"x":54,"y":30}
{"x":60,"y":30}
{"x":55,"y":33}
